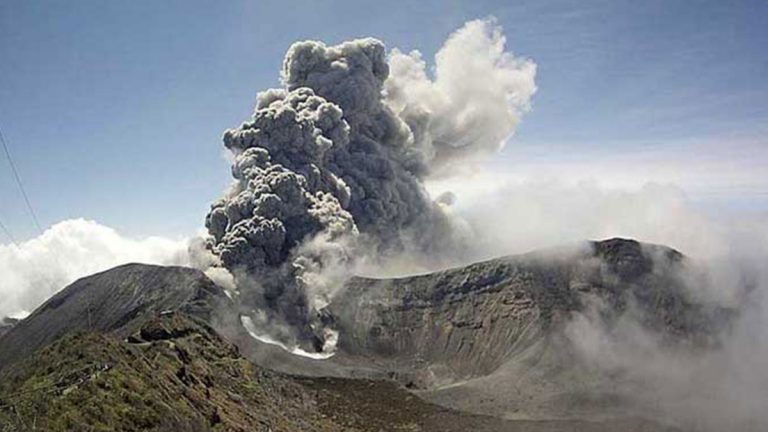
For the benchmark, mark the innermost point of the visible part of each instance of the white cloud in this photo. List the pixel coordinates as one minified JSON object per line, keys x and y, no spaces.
{"x":32,"y":272}
{"x":710,"y":170}
{"x":511,"y":214}
{"x":718,"y":389}
{"x":474,"y":100}
{"x":532,"y":208}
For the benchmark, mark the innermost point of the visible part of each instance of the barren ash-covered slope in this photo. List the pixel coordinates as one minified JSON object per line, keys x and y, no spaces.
{"x":492,"y":338}
{"x":469,"y":320}
{"x":475,"y":348}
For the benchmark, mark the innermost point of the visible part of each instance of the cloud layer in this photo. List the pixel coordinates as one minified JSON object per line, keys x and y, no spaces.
{"x":71,"y":249}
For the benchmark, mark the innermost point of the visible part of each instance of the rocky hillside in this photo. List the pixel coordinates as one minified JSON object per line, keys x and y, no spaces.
{"x":489,"y":338}
{"x":173,"y":374}
{"x":468,"y":321}
{"x":176,"y":373}
{"x":475,"y":348}
{"x":117,"y":301}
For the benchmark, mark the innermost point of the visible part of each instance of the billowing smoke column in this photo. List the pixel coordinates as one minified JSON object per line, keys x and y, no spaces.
{"x":333,"y":164}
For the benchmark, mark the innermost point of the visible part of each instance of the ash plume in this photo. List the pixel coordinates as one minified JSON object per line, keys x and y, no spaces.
{"x":332,"y":165}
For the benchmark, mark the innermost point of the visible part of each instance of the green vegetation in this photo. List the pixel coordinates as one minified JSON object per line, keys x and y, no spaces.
{"x":175,"y":374}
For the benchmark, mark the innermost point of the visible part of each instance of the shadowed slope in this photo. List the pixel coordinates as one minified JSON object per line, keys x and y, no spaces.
{"x":114,"y":300}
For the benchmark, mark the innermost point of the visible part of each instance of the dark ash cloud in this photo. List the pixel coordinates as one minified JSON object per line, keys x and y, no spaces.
{"x":334,"y":162}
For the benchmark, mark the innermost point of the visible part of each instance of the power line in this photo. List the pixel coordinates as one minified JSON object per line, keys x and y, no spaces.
{"x":31,"y":212}
{"x":18,"y":182}
{"x":8,"y":234}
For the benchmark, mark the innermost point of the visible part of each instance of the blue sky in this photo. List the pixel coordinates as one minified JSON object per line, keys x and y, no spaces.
{"x":114,"y":110}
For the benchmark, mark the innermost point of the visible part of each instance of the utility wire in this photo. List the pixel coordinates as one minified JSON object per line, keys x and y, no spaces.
{"x":32,"y":213}
{"x":8,"y":234}
{"x":19,"y":183}
{"x":34,"y":216}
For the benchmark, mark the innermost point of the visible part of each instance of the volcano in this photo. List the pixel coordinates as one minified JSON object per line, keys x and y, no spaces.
{"x":481,"y":347}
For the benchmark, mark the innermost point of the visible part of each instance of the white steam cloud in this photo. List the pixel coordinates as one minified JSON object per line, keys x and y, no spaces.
{"x":475,"y":100}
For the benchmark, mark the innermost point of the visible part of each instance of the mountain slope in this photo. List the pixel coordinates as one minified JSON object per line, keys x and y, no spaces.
{"x":112,"y":301}
{"x":6,"y":324}
{"x":469,"y":320}
{"x":486,"y":341}
{"x":491,"y":338}
{"x":175,"y":373}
